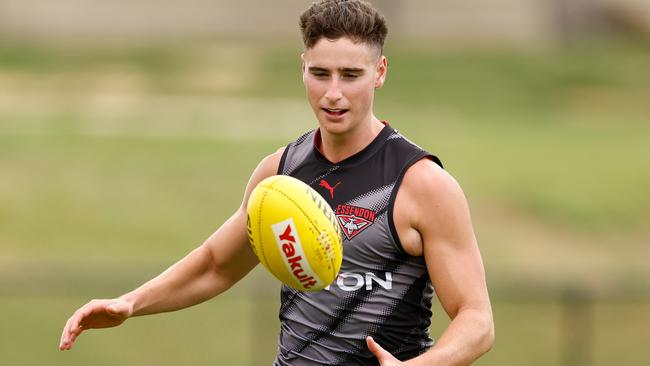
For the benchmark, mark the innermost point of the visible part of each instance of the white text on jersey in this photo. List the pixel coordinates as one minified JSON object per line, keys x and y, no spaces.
{"x":350,"y":281}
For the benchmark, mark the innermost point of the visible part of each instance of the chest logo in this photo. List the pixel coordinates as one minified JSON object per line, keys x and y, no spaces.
{"x":323,"y":183}
{"x":353,"y":219}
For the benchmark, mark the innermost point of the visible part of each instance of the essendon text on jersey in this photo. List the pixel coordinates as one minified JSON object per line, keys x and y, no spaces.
{"x":353,"y":219}
{"x":288,"y":242}
{"x":355,"y":211}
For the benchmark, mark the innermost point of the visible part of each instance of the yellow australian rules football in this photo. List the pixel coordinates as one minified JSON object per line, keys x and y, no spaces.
{"x":294,"y":233}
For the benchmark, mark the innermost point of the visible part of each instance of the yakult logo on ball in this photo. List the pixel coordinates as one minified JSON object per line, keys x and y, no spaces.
{"x":286,"y":236}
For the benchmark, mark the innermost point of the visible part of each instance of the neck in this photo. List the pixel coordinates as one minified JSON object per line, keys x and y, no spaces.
{"x":338,"y":147}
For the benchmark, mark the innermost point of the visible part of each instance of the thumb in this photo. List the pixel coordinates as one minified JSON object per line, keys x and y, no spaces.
{"x":381,"y":354}
{"x":119,"y":308}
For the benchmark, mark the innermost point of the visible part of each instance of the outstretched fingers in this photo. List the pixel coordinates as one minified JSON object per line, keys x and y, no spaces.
{"x":91,"y":315}
{"x":63,"y":343}
{"x":72,"y":329}
{"x":70,"y":333}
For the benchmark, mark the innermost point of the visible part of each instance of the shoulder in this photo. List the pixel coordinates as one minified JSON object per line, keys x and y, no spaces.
{"x":426,"y":177}
{"x":433,"y":195}
{"x":270,"y":164}
{"x":267,"y":167}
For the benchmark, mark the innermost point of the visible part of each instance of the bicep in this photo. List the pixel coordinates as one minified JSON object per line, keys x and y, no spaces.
{"x":231,"y":253}
{"x":457,"y":275}
{"x":450,"y":249}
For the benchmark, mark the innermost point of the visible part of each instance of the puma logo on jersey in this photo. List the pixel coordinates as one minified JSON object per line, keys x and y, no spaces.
{"x":323,"y":183}
{"x":353,"y":219}
{"x":324,"y":206}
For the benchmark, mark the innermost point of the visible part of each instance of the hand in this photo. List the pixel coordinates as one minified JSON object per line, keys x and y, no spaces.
{"x":95,"y":314}
{"x":384,"y":357}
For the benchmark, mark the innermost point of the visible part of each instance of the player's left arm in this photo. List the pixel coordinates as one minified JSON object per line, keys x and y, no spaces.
{"x":440,"y":215}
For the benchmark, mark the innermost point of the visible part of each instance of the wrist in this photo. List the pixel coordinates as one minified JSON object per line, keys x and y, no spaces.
{"x":131,"y":302}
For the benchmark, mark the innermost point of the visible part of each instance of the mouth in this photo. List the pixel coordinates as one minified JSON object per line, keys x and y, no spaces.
{"x":335,"y":112}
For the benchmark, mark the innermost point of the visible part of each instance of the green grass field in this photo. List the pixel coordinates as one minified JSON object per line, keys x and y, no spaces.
{"x":117,"y":162}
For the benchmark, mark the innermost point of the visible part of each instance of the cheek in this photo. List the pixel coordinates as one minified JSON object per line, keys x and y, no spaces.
{"x":361,"y":95}
{"x":312,"y":86}
{"x":313,"y":90}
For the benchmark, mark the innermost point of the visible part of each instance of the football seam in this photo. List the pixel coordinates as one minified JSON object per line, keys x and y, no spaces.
{"x":303,"y":213}
{"x":259,"y":227}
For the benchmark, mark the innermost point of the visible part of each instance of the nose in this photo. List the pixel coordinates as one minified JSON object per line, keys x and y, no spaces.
{"x":333,"y":93}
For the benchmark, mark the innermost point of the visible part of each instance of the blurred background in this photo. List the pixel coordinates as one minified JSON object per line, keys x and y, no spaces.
{"x":128,"y":130}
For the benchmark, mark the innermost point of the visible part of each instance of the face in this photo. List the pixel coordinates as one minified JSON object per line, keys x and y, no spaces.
{"x":340,"y":77}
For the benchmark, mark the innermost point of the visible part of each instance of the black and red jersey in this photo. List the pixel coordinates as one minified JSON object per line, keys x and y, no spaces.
{"x":380,"y":291}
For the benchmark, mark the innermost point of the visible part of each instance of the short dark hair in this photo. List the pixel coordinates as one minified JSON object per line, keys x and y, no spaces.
{"x":333,"y":19}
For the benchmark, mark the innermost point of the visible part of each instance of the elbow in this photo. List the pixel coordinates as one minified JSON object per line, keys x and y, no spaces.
{"x":489,"y":335}
{"x":484,"y":333}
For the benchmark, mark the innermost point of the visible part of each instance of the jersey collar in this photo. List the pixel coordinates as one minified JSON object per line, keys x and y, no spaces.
{"x":362,"y":155}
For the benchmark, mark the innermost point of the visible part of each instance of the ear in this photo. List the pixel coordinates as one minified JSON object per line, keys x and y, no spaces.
{"x":382,"y":70}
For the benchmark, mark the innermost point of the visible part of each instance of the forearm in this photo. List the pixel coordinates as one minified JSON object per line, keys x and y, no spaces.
{"x":206,"y":272}
{"x":222,"y":260}
{"x":190,"y":281}
{"x":468,"y":336}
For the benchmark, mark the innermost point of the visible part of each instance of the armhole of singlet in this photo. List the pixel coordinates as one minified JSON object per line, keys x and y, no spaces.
{"x":391,"y":203}
{"x":283,"y":159}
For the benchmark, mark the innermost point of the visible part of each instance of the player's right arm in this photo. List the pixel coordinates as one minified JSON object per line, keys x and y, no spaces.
{"x":212,"y":268}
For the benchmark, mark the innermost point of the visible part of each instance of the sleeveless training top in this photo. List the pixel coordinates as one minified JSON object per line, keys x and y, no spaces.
{"x":380,"y":291}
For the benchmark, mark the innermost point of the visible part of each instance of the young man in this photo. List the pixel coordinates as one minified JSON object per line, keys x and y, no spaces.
{"x":406,"y":223}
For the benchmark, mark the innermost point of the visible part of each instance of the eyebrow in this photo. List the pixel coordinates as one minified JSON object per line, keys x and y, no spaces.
{"x":352,"y":69}
{"x":342,"y":69}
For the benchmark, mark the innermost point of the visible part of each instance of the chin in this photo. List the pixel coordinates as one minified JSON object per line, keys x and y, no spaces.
{"x":334,"y":128}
